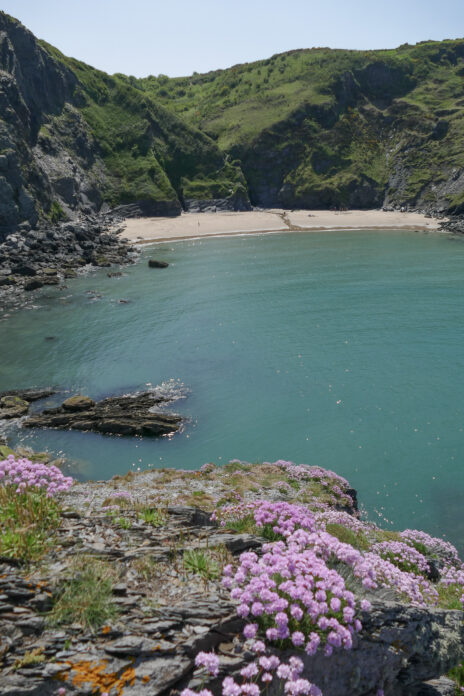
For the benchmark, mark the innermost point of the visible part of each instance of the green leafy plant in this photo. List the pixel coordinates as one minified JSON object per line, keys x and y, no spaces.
{"x":201,"y":563}
{"x":152,"y":516}
{"x":124,"y":522}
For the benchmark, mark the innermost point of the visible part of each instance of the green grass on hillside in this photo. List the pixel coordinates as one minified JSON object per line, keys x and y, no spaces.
{"x":333,"y":121}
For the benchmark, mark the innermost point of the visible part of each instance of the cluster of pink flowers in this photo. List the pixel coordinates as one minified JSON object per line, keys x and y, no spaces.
{"x":294,"y":598}
{"x":369,"y":567}
{"x":303,"y":472}
{"x":344,"y":519}
{"x":258,"y":673}
{"x":402,"y":555}
{"x":415,"y":587}
{"x":25,"y":475}
{"x":434,"y":545}
{"x":452,"y":569}
{"x":302,"y":530}
{"x":281,"y":517}
{"x":454,"y":576}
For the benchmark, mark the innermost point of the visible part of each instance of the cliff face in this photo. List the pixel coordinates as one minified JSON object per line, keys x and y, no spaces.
{"x":73,"y":139}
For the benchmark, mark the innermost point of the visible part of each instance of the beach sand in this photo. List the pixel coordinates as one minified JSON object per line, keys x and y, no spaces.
{"x":191,"y":225}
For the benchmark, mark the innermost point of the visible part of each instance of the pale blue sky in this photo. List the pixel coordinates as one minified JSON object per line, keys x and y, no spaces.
{"x":177,"y":37}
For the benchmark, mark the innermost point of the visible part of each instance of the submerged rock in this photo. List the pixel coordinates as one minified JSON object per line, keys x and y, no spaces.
{"x":120,"y":415}
{"x":154,"y":263}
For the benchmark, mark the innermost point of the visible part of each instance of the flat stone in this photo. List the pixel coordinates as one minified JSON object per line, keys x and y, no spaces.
{"x":140,"y":646}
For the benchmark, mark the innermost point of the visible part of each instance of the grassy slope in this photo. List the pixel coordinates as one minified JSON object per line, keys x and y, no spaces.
{"x":333,"y":119}
{"x":149,"y":153}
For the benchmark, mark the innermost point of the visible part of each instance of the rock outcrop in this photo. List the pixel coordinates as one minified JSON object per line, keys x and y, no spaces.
{"x":120,"y":415}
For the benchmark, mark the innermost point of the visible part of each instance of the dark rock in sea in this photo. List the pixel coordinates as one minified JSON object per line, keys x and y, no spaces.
{"x":153,"y":263}
{"x":120,"y":415}
{"x":12,"y":407}
{"x":29,"y":394}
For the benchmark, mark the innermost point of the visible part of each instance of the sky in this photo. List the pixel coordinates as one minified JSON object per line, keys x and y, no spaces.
{"x":178,"y":37}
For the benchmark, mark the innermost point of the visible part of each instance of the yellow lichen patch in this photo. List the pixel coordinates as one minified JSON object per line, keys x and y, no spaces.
{"x":145,"y":679}
{"x":93,"y":673}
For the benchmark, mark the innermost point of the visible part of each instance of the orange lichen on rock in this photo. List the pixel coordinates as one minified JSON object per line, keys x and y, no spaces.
{"x":145,"y":679}
{"x":93,"y":673}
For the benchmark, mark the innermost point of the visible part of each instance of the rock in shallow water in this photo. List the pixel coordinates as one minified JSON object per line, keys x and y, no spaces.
{"x":120,"y":415}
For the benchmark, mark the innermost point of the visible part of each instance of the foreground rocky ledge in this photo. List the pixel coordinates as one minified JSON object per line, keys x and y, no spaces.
{"x":166,"y":612}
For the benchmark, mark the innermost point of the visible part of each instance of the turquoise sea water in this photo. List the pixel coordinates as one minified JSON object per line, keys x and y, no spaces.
{"x":342,"y":349}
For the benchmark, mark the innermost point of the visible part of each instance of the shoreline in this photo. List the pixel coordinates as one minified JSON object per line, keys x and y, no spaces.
{"x":142,"y":231}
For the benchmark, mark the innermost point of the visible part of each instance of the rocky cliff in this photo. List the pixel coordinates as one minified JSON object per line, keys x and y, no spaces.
{"x":73,"y":139}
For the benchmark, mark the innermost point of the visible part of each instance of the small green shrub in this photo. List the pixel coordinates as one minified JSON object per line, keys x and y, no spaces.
{"x":56,"y":212}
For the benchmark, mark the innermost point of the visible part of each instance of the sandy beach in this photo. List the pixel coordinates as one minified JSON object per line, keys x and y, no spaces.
{"x":192,"y":225}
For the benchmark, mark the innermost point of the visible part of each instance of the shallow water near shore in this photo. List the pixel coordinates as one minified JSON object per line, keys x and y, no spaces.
{"x":342,"y":349}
